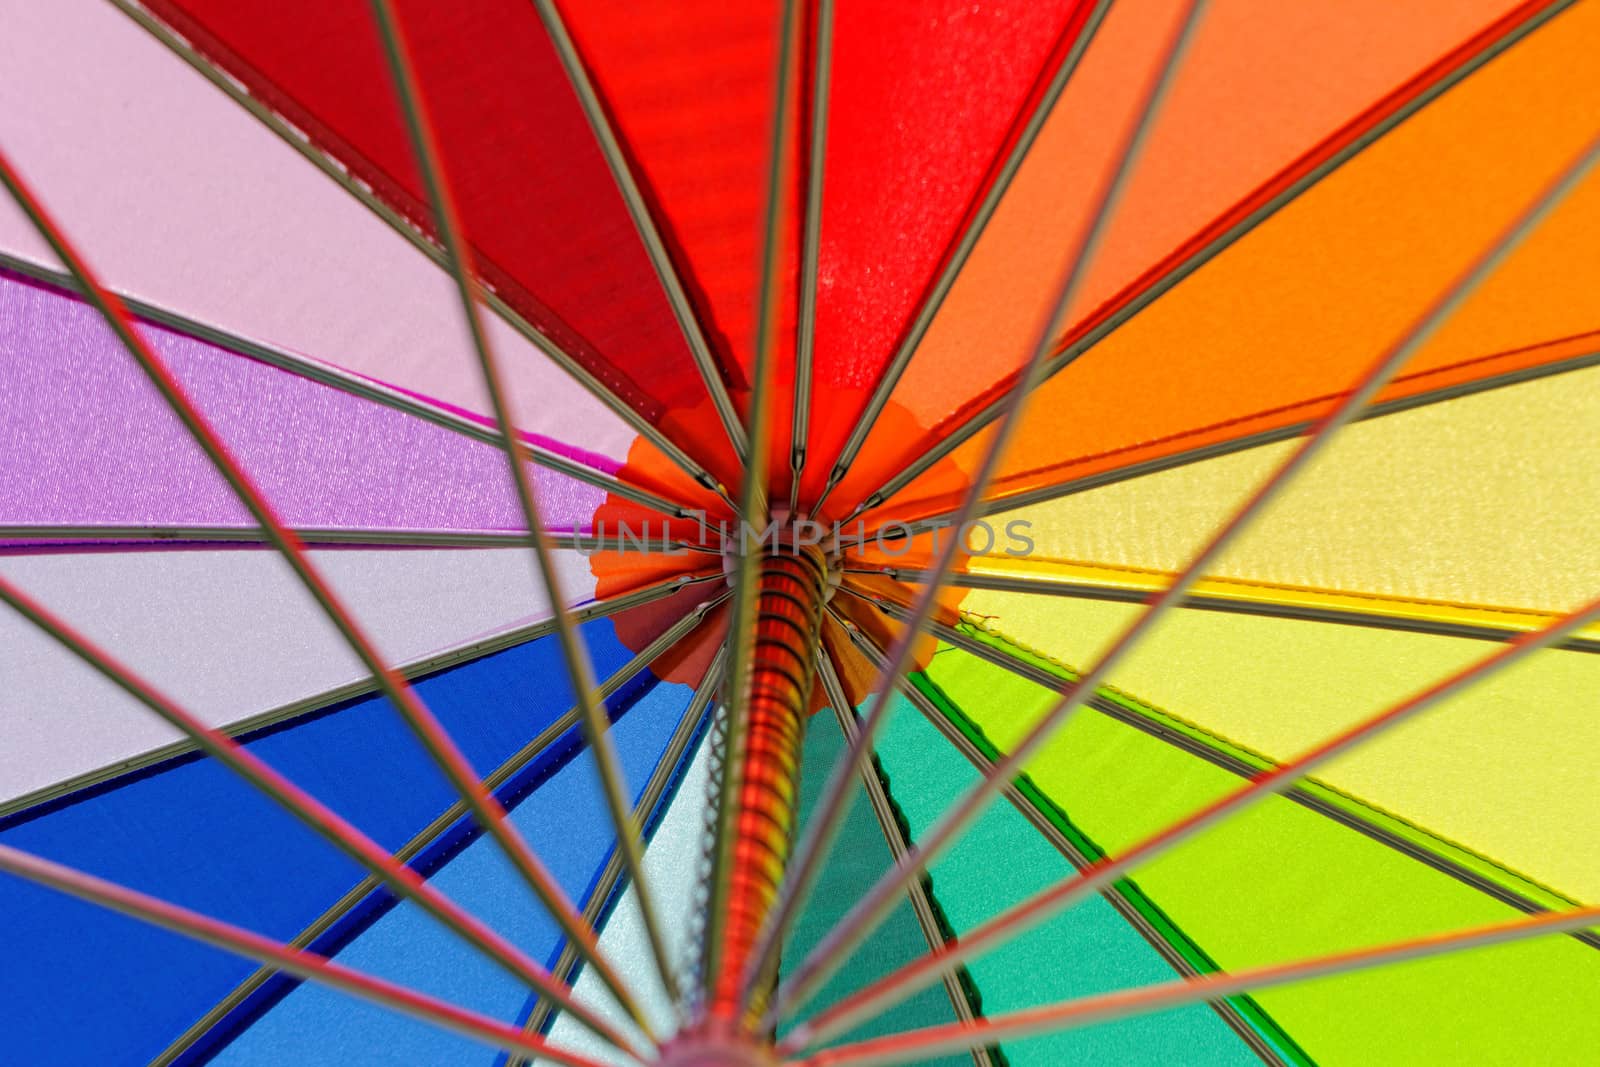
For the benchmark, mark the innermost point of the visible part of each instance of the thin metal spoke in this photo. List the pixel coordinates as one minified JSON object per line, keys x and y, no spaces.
{"x":1278,"y":780}
{"x":574,"y":654}
{"x":810,"y":246}
{"x":337,"y":171}
{"x":639,"y":211}
{"x":1106,"y":196}
{"x":427,"y":728}
{"x":753,"y":509}
{"x":870,"y":911}
{"x":344,"y":836}
{"x":356,"y":385}
{"x":411,"y":669}
{"x":502,"y":777}
{"x":1244,"y":604}
{"x":1450,"y":72}
{"x":920,"y":1045}
{"x":310,"y":537}
{"x":883,"y":809}
{"x":1074,"y":42}
{"x":307,"y":965}
{"x":695,"y":720}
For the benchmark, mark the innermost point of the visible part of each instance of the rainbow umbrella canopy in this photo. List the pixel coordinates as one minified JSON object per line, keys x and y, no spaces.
{"x":736,"y":534}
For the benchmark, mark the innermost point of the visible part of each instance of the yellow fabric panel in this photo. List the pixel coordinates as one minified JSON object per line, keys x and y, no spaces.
{"x":1489,"y":499}
{"x":1505,"y":769}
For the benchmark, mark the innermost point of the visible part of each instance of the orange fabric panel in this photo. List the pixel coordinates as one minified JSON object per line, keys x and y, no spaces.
{"x":1275,"y":328}
{"x":1260,"y":85}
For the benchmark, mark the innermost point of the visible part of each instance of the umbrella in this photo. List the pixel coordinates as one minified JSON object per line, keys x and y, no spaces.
{"x":1035,"y":532}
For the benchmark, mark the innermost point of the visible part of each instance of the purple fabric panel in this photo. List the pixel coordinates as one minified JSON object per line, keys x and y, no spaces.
{"x":598,"y":460}
{"x":85,"y":439}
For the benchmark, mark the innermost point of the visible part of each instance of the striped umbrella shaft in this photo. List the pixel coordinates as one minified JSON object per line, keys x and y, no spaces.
{"x":790,"y":594}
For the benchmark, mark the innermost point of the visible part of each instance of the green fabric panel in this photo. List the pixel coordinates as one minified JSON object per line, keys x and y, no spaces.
{"x":859,"y":857}
{"x":1280,"y":882}
{"x":1087,"y":950}
{"x":1414,"y":835}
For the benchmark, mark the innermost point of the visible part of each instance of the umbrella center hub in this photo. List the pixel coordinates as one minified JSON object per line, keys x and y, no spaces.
{"x":787,"y":535}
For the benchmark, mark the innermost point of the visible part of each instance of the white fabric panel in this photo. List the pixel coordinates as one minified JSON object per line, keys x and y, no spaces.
{"x":228,"y":633}
{"x":671,"y":865}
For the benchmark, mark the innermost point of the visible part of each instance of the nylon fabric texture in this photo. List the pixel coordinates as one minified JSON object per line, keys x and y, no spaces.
{"x":354,"y":237}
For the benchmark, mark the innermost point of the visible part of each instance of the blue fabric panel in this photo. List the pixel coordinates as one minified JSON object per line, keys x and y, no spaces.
{"x":565,"y":821}
{"x":673,"y":896}
{"x":61,"y":989}
{"x":191,"y":832}
{"x":1087,"y":949}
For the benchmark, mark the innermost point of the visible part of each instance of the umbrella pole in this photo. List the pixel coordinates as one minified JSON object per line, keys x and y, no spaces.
{"x":792,"y":586}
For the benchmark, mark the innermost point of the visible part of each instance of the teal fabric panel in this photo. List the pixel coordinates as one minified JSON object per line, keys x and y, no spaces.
{"x":1087,"y":949}
{"x":859,"y":856}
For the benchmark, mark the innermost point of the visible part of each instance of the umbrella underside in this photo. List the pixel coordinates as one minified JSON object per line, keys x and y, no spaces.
{"x":1251,"y":350}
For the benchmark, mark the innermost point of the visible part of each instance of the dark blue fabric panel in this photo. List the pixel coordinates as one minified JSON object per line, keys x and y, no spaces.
{"x":191,"y":832}
{"x":566,"y":823}
{"x":77,"y":980}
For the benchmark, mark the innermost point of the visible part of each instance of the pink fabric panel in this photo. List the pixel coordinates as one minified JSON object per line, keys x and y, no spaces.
{"x":180,"y":197}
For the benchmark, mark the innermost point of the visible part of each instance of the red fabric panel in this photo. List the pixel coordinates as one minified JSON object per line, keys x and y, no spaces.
{"x":535,"y":195}
{"x":690,"y":87}
{"x":923,"y":105}
{"x":1265,"y":93}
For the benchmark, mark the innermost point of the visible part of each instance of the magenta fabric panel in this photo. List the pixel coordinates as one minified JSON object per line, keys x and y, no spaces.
{"x":85,"y":439}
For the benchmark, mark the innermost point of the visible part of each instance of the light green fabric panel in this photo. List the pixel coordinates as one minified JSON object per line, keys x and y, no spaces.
{"x":1281,"y":882}
{"x":1506,"y":768}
